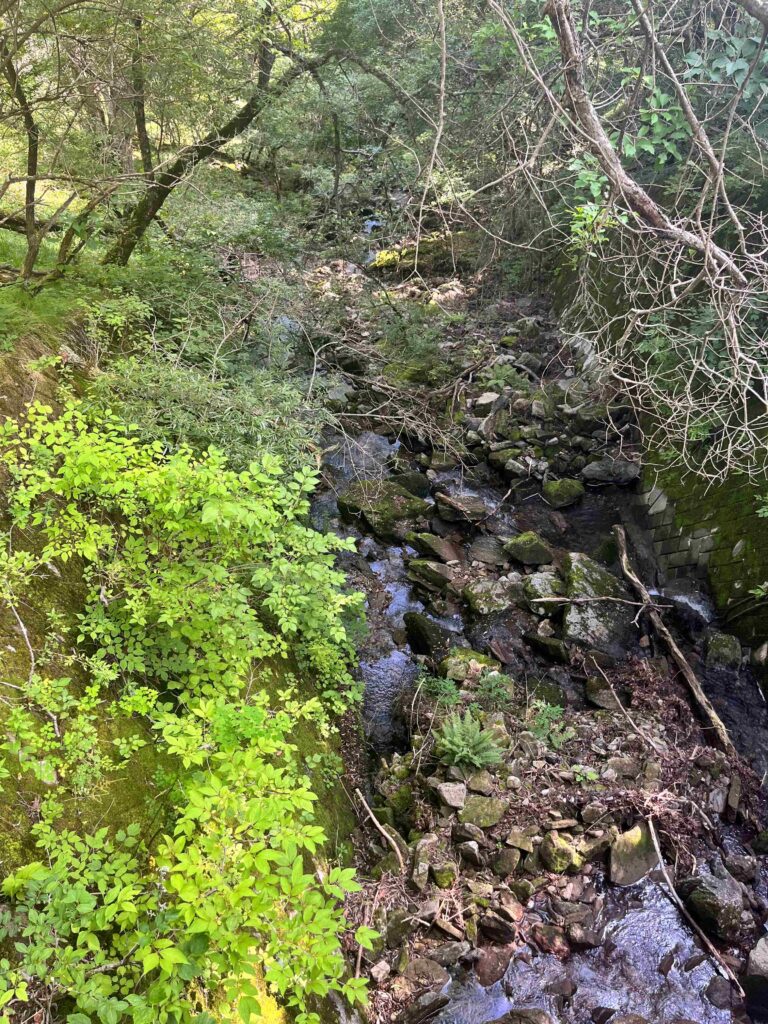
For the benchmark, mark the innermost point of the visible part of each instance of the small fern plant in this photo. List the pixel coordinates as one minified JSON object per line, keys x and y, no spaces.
{"x":464,"y":743}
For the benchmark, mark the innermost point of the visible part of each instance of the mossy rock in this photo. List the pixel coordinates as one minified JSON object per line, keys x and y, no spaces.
{"x":633,"y":855}
{"x":456,"y":664}
{"x":723,"y":650}
{"x":558,"y":854}
{"x":483,"y":811}
{"x":562,"y":493}
{"x":433,"y":576}
{"x":389,"y":509}
{"x":529,"y":548}
{"x":604,"y":625}
{"x":487,"y":596}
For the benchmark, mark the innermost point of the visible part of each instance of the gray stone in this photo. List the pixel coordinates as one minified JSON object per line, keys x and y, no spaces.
{"x":380,"y":972}
{"x":527,"y":1016}
{"x":450,"y":953}
{"x":458,"y":663}
{"x":755,"y":981}
{"x":529,"y":548}
{"x":716,"y":903}
{"x":486,"y":596}
{"x":433,"y":576}
{"x":389,"y":510}
{"x":633,"y":855}
{"x":487,"y":403}
{"x":426,"y":636}
{"x":425,"y":1007}
{"x":461,"y":508}
{"x":606,"y":626}
{"x":425,"y":971}
{"x":563,"y":493}
{"x":401,"y":923}
{"x":723,"y":650}
{"x":452,"y":794}
{"x":483,"y":811}
{"x":488,"y":550}
{"x":611,"y":471}
{"x":470,"y":852}
{"x":481,"y":782}
{"x":497,"y":928}
{"x":434,"y":546}
{"x":423,"y":855}
{"x":505,"y":862}
{"x":540,"y":590}
{"x":414,"y":481}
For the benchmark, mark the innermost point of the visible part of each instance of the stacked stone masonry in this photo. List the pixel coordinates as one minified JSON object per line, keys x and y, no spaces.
{"x":713,"y":534}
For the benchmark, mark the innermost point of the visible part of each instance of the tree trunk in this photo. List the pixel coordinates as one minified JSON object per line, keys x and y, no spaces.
{"x":144,"y":211}
{"x":33,"y":152}
{"x":139,"y":111}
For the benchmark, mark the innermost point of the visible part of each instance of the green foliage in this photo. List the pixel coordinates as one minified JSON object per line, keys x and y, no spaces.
{"x":196,"y":575}
{"x":545,"y":723}
{"x":444,"y":692}
{"x":194,"y":571}
{"x":464,"y":742}
{"x":492,"y":691}
{"x":173,"y":937}
{"x":253,"y":413}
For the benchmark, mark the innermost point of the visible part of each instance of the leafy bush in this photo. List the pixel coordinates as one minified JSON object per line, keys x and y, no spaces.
{"x":492,"y":691}
{"x":463,"y":742}
{"x":194,"y":571}
{"x":171,"y":937}
{"x":245,"y":417}
{"x":444,"y":692}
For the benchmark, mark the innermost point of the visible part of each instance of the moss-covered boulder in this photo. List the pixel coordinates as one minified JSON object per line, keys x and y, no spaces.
{"x":457,"y":664}
{"x":529,"y":548}
{"x":723,"y":650}
{"x":432,"y":576}
{"x":540,"y":589}
{"x":486,"y":596}
{"x":461,"y":508}
{"x":483,"y":811}
{"x":390,"y":510}
{"x":633,"y":855}
{"x":558,"y":854}
{"x":562,"y":493}
{"x":716,"y":903}
{"x":590,"y":620}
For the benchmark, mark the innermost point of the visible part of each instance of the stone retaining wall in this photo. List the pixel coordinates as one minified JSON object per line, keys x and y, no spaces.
{"x":712,"y":534}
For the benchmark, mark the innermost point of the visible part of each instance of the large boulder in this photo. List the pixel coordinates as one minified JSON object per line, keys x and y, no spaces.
{"x":562,"y":493}
{"x":603,"y":625}
{"x":540,"y":590}
{"x":389,"y":509}
{"x":425,"y":635}
{"x":486,"y":596}
{"x":529,"y":549}
{"x":461,"y":508}
{"x":723,"y":650}
{"x":633,"y":855}
{"x":611,"y":471}
{"x":715,"y":902}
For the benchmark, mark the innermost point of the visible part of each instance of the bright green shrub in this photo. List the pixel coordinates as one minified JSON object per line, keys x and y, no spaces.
{"x":194,"y":571}
{"x":225,"y":903}
{"x":464,"y":742}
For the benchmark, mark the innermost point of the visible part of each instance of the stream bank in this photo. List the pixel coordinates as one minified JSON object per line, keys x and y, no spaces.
{"x":526,"y":888}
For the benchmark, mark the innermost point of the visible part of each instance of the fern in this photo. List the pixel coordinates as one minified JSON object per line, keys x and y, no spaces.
{"x":464,"y":743}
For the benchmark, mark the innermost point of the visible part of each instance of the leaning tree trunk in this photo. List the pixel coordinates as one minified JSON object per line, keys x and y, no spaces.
{"x":144,"y":211}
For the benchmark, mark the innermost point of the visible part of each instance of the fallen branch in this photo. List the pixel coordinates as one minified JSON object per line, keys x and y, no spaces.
{"x":381,"y":829}
{"x":648,"y":739}
{"x":723,"y":967}
{"x":702,"y":701}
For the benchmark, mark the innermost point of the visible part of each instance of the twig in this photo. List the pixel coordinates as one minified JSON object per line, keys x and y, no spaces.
{"x":702,"y":701}
{"x":381,"y":829}
{"x":635,"y":726}
{"x":723,"y":967}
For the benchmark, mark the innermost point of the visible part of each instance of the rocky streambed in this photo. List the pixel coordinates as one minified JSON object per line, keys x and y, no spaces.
{"x":534,"y":750}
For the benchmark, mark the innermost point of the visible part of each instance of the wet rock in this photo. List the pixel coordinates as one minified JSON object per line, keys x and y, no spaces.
{"x":611,"y":471}
{"x":424,"y":635}
{"x":432,"y":576}
{"x":756,"y":977}
{"x":602,"y":1014}
{"x":437,"y":547}
{"x":760,"y":842}
{"x":603,"y":625}
{"x":723,"y":650}
{"x":630,"y":1018}
{"x":452,"y":794}
{"x":582,"y":938}
{"x":551,"y":939}
{"x":492,"y":964}
{"x":540,"y":589}
{"x":483,"y":811}
{"x":497,"y":928}
{"x":505,"y":862}
{"x":633,"y":855}
{"x":450,"y":953}
{"x":427,"y":972}
{"x":487,"y":596}
{"x":562,"y":493}
{"x":461,"y":508}
{"x":722,"y":994}
{"x":444,"y":874}
{"x":425,"y":1008}
{"x":529,"y":548}
{"x":457,"y":665}
{"x":527,"y":1016}
{"x":414,"y":481}
{"x":557,"y":854}
{"x":716,"y":903}
{"x":389,"y":509}
{"x":742,"y":867}
{"x":488,"y":550}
